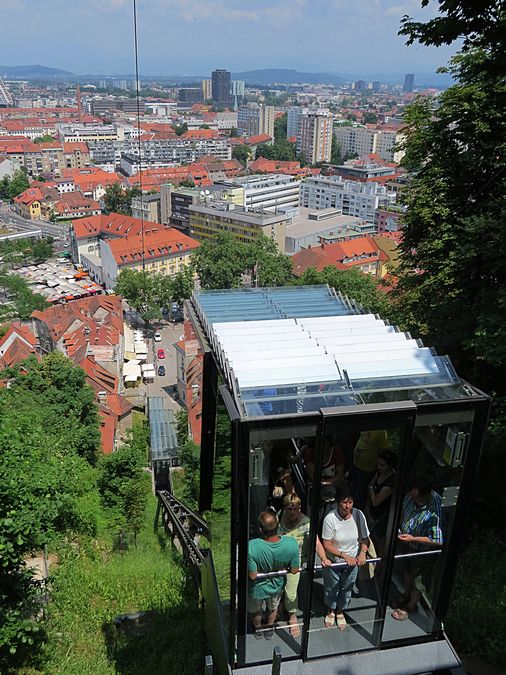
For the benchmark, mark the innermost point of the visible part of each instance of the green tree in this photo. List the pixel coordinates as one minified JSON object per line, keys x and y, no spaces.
{"x":219,"y":263}
{"x":280,"y":126}
{"x":181,"y":129}
{"x":182,"y":284}
{"x":135,"y":500}
{"x":187,"y":182}
{"x":119,"y":200}
{"x":46,"y":138}
{"x":189,"y":456}
{"x":17,"y":185}
{"x":241,"y":153}
{"x":47,"y":485}
{"x":369,"y":118}
{"x":42,"y":249}
{"x":140,"y":289}
{"x":269,"y":267}
{"x":454,"y":224}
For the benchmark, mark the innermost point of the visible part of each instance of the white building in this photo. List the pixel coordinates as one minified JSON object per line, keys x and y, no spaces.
{"x":364,"y":141}
{"x":255,"y":120}
{"x":308,"y":228}
{"x":268,"y":192}
{"x":71,"y":133}
{"x":353,"y":198}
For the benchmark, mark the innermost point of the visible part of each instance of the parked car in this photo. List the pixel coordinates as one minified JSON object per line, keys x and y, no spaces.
{"x":161,"y":371}
{"x":157,"y":337}
{"x":160,"y":354}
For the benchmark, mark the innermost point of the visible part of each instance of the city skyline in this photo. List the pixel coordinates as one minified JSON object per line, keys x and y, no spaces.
{"x":336,"y":36}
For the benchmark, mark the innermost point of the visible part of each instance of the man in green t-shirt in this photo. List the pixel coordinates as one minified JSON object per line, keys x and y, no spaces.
{"x":269,"y":553}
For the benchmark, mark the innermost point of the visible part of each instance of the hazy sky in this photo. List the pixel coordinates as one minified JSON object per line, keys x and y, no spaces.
{"x":196,"y":36}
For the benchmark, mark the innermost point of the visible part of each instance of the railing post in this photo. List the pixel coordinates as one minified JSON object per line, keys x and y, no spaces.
{"x":276,"y":661}
{"x":209,"y":668}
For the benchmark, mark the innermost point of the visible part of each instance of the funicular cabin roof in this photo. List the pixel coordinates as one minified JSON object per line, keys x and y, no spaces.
{"x":297,"y":349}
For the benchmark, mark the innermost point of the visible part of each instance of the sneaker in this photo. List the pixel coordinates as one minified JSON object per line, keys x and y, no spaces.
{"x":258,"y":634}
{"x":269,"y":632}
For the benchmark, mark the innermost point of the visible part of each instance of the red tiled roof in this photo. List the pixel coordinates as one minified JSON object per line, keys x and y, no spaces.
{"x":343,"y":255}
{"x":114,"y":223}
{"x":159,"y":242}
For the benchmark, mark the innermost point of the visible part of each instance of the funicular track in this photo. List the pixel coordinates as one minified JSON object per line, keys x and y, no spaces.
{"x":186,"y":527}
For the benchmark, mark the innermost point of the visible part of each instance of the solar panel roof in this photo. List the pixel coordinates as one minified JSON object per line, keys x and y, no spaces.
{"x":298,"y":349}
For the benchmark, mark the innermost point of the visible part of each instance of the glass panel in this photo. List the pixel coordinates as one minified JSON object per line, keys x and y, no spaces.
{"x":356,"y":503}
{"x":219,"y":517}
{"x":278,"y":491}
{"x":425,"y":526}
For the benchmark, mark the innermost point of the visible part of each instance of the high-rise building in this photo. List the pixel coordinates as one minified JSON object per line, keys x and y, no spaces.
{"x":207,"y":90}
{"x":238,"y":88}
{"x":409,"y":83}
{"x":221,"y":86}
{"x":376,"y":86}
{"x":360,"y":85}
{"x":5,"y":96}
{"x":254,"y":120}
{"x":314,"y":137}
{"x":294,"y":116}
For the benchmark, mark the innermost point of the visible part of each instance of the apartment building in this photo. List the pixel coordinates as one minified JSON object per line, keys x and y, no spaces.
{"x":207,"y":90}
{"x":221,"y":86}
{"x":294,"y":116}
{"x":314,"y":137}
{"x":159,"y":250}
{"x":365,"y":141}
{"x":254,"y":120}
{"x":147,"y":208}
{"x":206,"y":221}
{"x":266,"y":192}
{"x":354,"y":198}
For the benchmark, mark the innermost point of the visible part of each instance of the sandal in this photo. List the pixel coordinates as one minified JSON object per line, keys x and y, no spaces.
{"x":294,"y":628}
{"x":399,"y":615}
{"x":330,"y":620}
{"x":341,"y":622}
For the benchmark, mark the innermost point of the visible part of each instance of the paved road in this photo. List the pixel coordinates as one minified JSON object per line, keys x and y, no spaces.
{"x":165,"y":386}
{"x":11,"y":220}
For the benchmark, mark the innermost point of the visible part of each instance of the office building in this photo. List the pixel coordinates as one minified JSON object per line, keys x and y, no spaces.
{"x":221,"y":87}
{"x":147,"y":208}
{"x":365,"y":141}
{"x":314,"y":137}
{"x":308,"y":228}
{"x":191,"y":95}
{"x":376,"y":86}
{"x":207,"y":221}
{"x":268,"y":193}
{"x":409,"y":83}
{"x":354,"y":199}
{"x":360,"y":85}
{"x":255,"y":120}
{"x":207,"y":90}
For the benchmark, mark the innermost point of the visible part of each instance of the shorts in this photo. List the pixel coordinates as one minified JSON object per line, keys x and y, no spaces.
{"x":271,"y":603}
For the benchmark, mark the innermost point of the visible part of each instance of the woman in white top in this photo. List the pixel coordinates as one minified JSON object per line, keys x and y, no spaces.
{"x":345,"y":537}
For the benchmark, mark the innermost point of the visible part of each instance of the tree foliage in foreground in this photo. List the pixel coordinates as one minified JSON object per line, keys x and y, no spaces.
{"x":118,"y":200}
{"x":452,"y":269}
{"x":48,"y":437}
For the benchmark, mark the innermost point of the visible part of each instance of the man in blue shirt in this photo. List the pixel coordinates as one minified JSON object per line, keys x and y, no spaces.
{"x":269,"y":553}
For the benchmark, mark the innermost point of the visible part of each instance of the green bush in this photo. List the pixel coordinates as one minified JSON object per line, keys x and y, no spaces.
{"x":476,"y":621}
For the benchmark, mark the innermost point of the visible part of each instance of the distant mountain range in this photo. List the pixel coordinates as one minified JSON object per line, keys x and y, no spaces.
{"x":262,"y":77}
{"x":33,"y":72}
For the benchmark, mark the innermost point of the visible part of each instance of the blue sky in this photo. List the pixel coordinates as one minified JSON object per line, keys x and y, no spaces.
{"x":196,"y":36}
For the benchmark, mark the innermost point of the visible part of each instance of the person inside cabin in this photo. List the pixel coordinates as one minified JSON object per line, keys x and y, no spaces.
{"x":294,"y":523}
{"x":333,"y":470}
{"x":420,"y":530}
{"x":365,"y":457}
{"x":269,"y":552}
{"x":345,"y":538}
{"x":380,"y":493}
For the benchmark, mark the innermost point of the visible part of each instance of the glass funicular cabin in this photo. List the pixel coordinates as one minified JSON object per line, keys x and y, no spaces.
{"x":286,"y":369}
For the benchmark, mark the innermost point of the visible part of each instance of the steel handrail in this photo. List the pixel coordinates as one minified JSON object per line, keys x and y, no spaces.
{"x":400,"y":556}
